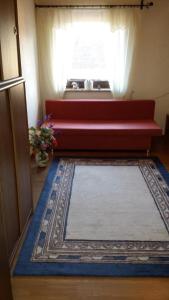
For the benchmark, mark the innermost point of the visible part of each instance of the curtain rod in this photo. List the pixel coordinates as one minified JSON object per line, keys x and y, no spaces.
{"x":141,"y":6}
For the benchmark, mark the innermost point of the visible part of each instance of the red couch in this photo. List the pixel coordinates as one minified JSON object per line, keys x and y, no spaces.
{"x":103,"y":124}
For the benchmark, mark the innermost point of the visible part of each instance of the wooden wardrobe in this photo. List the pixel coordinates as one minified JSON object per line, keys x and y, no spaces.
{"x":15,"y":179}
{"x":5,"y":283}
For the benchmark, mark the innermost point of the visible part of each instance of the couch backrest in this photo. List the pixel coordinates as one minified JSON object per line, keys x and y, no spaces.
{"x":100,"y":109}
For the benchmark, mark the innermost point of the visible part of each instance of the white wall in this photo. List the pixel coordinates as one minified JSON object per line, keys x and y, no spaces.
{"x":29,"y":61}
{"x":150,"y":76}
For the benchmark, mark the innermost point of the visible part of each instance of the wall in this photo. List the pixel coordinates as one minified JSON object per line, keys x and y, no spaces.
{"x":29,"y":61}
{"x":150,"y":76}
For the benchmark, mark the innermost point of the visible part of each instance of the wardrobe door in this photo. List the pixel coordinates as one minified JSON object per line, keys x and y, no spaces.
{"x":8,"y":41}
{"x":7,"y":176}
{"x":21,"y":149}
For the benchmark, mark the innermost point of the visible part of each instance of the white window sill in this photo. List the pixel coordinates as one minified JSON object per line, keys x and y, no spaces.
{"x":84,"y":90}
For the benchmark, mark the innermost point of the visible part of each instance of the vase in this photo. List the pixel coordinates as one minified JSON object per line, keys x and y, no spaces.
{"x":42,"y":158}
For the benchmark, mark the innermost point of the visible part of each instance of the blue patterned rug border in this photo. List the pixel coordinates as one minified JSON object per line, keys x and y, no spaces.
{"x":25,"y":267}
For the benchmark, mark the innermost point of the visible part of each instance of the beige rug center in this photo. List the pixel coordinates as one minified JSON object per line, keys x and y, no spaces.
{"x":113,"y":203}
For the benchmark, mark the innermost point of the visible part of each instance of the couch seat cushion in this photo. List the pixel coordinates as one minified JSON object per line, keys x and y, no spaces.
{"x":120,"y":127}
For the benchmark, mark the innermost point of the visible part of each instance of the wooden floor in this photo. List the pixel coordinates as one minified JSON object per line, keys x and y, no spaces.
{"x":70,"y":288}
{"x":91,"y":288}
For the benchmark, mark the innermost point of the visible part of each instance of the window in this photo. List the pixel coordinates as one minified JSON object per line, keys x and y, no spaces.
{"x":90,"y":41}
{"x":97,"y":49}
{"x":89,"y":55}
{"x":92,"y":47}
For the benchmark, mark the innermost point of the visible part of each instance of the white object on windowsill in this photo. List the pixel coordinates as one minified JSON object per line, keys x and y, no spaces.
{"x":75,"y":85}
{"x":88,"y":84}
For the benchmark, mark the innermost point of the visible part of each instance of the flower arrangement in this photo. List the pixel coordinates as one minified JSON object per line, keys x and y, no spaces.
{"x":42,"y":141}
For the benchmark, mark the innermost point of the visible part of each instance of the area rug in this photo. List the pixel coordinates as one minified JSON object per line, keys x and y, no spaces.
{"x":101,"y":217}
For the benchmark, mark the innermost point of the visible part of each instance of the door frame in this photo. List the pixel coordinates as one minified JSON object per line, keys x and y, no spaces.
{"x":5,"y":281}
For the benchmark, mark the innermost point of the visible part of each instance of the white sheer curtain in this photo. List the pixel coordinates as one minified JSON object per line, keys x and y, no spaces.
{"x":55,"y":40}
{"x":123,"y":24}
{"x":54,"y":50}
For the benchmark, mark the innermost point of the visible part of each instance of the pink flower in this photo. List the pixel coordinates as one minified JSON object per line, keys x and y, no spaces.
{"x":44,"y":146}
{"x":54,"y":143}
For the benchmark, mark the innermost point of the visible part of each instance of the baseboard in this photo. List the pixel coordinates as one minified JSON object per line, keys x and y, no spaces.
{"x":19,"y":243}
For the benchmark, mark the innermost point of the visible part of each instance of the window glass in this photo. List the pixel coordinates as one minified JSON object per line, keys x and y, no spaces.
{"x":89,"y":50}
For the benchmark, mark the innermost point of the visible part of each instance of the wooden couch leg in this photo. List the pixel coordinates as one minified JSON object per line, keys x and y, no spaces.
{"x":148,"y":152}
